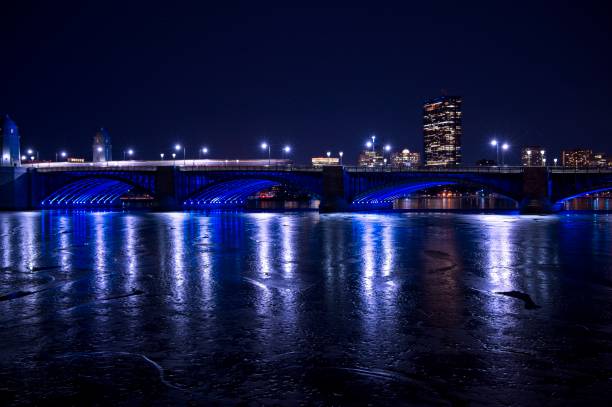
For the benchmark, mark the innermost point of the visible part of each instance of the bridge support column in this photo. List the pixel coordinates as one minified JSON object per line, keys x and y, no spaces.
{"x":334,"y":197}
{"x":165,"y":189}
{"x":15,"y":188}
{"x":536,"y":194}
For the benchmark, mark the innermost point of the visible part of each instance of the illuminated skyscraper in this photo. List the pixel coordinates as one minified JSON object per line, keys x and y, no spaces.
{"x":102,"y":149}
{"x":442,"y":131}
{"x":9,"y":142}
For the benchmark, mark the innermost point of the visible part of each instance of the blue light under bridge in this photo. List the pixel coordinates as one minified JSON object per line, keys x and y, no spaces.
{"x":231,"y":193}
{"x":94,"y":192}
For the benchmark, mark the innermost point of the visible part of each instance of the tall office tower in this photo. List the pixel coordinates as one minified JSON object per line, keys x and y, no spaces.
{"x":533,"y":156}
{"x":102,"y":149}
{"x":442,"y":131}
{"x":9,"y":142}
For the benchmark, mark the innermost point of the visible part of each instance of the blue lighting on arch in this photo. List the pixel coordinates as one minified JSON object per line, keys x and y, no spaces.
{"x":229,"y":193}
{"x":88,"y":192}
{"x":592,"y":191}
{"x":384,"y":197}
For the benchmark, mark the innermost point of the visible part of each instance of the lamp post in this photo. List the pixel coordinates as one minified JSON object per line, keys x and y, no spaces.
{"x":177,"y":148}
{"x":264,"y":146}
{"x":174,"y":159}
{"x":544,"y":162}
{"x":203,"y":151}
{"x":341,"y":154}
{"x":286,"y":150}
{"x":162,"y":156}
{"x":505,"y":146}
{"x":555,"y":161}
{"x":61,"y":154}
{"x":495,"y":144}
{"x":542,"y":153}
{"x":129,"y":152}
{"x":373,"y":141}
{"x":529,"y":158}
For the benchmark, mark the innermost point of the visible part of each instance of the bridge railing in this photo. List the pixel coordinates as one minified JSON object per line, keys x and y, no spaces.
{"x":235,"y":167}
{"x":581,"y":170}
{"x":496,"y":169}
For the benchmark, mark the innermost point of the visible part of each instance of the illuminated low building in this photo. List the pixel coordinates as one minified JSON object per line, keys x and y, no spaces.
{"x":577,"y":157}
{"x":406,"y":158}
{"x":533,"y":156}
{"x":318,"y":162}
{"x":600,"y":160}
{"x":75,"y":160}
{"x":371,"y":158}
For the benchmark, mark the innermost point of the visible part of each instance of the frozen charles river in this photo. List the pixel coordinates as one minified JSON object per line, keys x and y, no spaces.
{"x":281,"y":308}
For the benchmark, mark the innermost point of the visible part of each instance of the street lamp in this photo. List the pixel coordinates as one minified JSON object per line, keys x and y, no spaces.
{"x":177,"y":147}
{"x":162,"y":156}
{"x":505,"y":146}
{"x":542,"y":153}
{"x":555,"y":161}
{"x":495,"y":144}
{"x":328,"y":154}
{"x":373,"y":141}
{"x":341,"y":154}
{"x":387,"y":148}
{"x":203,"y":151}
{"x":61,"y":154}
{"x":264,"y":146}
{"x":544,"y":162}
{"x":174,"y":159}
{"x":129,"y":152}
{"x":286,"y":150}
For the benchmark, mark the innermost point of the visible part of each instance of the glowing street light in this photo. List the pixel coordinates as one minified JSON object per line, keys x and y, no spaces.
{"x":555,"y":161}
{"x":264,"y":146}
{"x":203,"y":151}
{"x":286,"y":150}
{"x":129,"y":152}
{"x":369,"y":144}
{"x":387,"y":148}
{"x":505,"y":146}
{"x":495,"y":144}
{"x":544,"y":162}
{"x":174,"y":159}
{"x":328,"y":154}
{"x":341,"y":154}
{"x":162,"y":156}
{"x":177,"y":148}
{"x":61,"y":154}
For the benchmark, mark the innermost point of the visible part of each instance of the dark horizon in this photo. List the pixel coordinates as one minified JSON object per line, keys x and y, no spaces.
{"x":317,"y":78}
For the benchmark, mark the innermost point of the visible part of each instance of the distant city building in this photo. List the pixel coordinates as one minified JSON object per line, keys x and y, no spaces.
{"x":323,"y":161}
{"x":600,"y":160}
{"x":9,"y":142}
{"x":485,"y":162}
{"x":533,"y":156}
{"x":371,"y":158}
{"x":75,"y":160}
{"x":102,"y":149}
{"x":577,"y":157}
{"x":405,"y":158}
{"x":442,"y":131}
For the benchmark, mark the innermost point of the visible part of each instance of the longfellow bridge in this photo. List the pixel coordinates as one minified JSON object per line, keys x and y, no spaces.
{"x":207,"y":184}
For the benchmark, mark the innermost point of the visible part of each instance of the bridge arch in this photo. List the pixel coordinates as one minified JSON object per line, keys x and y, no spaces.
{"x":97,"y":190}
{"x":584,"y":192}
{"x":233,"y":192}
{"x":383,"y":195}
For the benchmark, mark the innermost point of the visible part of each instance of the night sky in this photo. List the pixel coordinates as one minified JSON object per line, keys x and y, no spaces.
{"x":230,"y":75}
